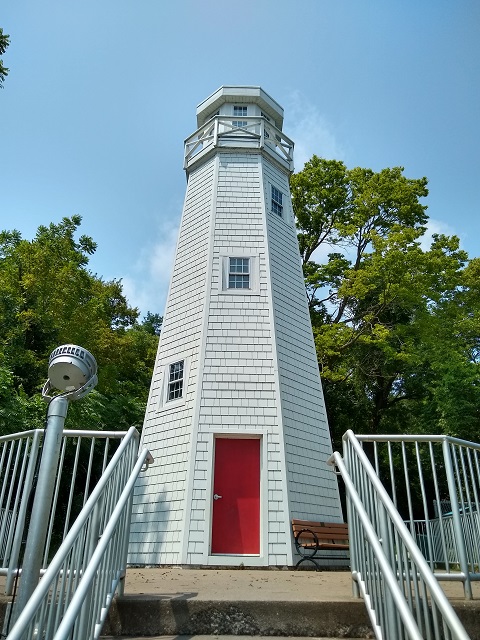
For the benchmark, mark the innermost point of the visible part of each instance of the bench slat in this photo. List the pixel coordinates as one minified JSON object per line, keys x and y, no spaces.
{"x":326,"y":532}
{"x":311,"y":523}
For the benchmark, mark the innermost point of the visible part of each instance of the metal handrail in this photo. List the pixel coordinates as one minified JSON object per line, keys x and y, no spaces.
{"x":18,"y":460}
{"x":51,"y":599}
{"x":390,"y":578}
{"x":447,"y":528}
{"x":383,"y":551}
{"x":94,"y":571}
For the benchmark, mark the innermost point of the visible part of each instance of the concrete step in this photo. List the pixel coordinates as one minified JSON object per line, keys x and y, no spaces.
{"x":211,"y":638}
{"x":146,"y":615}
{"x":210,"y":603}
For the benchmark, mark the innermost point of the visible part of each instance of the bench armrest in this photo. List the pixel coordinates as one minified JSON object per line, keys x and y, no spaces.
{"x":307,"y":548}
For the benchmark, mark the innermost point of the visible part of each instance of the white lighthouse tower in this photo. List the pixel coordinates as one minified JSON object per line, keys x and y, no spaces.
{"x":235,"y":418}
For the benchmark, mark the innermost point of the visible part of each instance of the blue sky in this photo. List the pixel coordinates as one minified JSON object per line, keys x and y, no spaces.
{"x":102,"y":93}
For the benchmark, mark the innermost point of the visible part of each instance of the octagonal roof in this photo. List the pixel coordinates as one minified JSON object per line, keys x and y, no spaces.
{"x":238,"y":95}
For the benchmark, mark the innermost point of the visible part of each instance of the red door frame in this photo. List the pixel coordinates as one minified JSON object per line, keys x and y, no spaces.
{"x":236,"y":477}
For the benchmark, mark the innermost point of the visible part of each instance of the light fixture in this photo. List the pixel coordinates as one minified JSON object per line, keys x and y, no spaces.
{"x":72,"y":370}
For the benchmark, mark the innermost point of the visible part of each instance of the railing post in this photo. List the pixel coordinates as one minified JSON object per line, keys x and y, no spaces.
{"x":391,"y":618}
{"x":17,"y":542}
{"x":32,"y":561}
{"x":215,"y":132}
{"x":83,"y":623}
{"x":351,"y":523}
{"x":126,"y":533}
{"x":457,"y":523}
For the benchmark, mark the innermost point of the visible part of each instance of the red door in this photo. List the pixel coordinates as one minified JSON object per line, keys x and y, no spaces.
{"x":236,"y":499}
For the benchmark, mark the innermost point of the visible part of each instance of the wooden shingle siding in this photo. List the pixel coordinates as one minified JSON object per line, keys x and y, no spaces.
{"x":238,"y":389}
{"x":313,"y":489}
{"x":159,"y":503}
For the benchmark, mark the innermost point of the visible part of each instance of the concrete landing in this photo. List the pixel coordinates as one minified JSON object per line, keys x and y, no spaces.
{"x":211,"y":602}
{"x":240,"y":584}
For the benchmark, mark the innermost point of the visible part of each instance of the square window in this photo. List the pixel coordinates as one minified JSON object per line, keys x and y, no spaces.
{"x":277,"y":201}
{"x":175,"y":380}
{"x":239,"y":273}
{"x":239,"y":112}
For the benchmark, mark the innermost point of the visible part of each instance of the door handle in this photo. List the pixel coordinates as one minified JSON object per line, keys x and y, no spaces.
{"x":216,"y":496}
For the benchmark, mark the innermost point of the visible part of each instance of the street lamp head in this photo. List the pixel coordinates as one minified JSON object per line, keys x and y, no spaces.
{"x":71,"y":370}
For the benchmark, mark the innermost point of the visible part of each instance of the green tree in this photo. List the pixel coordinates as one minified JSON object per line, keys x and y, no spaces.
{"x":393,"y":324}
{"x":153,"y":323}
{"x":49,"y":297}
{"x":4,"y":42}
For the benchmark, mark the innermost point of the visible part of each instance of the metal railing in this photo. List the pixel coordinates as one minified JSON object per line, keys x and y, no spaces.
{"x":402,"y":596}
{"x":422,"y":472}
{"x":83,"y":458}
{"x":247,"y":131}
{"x":73,"y":597}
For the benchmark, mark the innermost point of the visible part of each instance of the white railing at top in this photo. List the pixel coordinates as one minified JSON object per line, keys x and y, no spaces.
{"x":83,"y":458}
{"x":73,"y":597}
{"x":402,"y":595}
{"x":434,"y":482}
{"x":246,"y":131}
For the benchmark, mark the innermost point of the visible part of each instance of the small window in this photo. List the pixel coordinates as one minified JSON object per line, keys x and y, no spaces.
{"x":239,"y":112}
{"x":239,"y":273}
{"x":175,"y":380}
{"x":277,"y":201}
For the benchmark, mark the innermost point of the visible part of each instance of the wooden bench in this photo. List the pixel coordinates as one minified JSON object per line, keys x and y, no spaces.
{"x":313,"y":538}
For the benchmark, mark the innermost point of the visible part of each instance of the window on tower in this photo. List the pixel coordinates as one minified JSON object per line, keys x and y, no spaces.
{"x":277,"y":201}
{"x":175,"y":380}
{"x":239,"y":273}
{"x":239,"y":112}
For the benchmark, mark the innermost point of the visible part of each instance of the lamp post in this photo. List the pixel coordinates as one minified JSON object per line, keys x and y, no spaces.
{"x":73,"y":371}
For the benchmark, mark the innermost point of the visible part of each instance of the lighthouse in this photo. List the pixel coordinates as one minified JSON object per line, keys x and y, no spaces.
{"x":235,"y":418}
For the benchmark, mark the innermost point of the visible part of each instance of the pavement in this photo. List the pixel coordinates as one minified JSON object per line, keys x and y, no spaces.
{"x":240,"y":584}
{"x":255,"y":584}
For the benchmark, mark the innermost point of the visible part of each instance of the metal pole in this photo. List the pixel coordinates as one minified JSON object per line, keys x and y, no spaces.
{"x":32,"y":561}
{"x":352,"y":522}
{"x":457,"y":522}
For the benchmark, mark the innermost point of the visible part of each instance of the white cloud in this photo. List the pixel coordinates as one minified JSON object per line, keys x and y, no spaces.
{"x":434,"y":226}
{"x":320,"y":255}
{"x":310,"y":131}
{"x":146,"y":287}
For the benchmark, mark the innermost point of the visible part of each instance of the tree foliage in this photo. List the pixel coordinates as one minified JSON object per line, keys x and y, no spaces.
{"x":395,"y":324}
{"x":49,"y":297}
{"x":4,"y":42}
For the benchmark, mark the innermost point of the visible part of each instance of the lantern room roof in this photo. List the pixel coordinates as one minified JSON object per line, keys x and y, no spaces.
{"x":240,"y":95}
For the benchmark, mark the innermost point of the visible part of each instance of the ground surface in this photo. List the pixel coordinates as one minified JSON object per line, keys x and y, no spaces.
{"x":247,"y":584}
